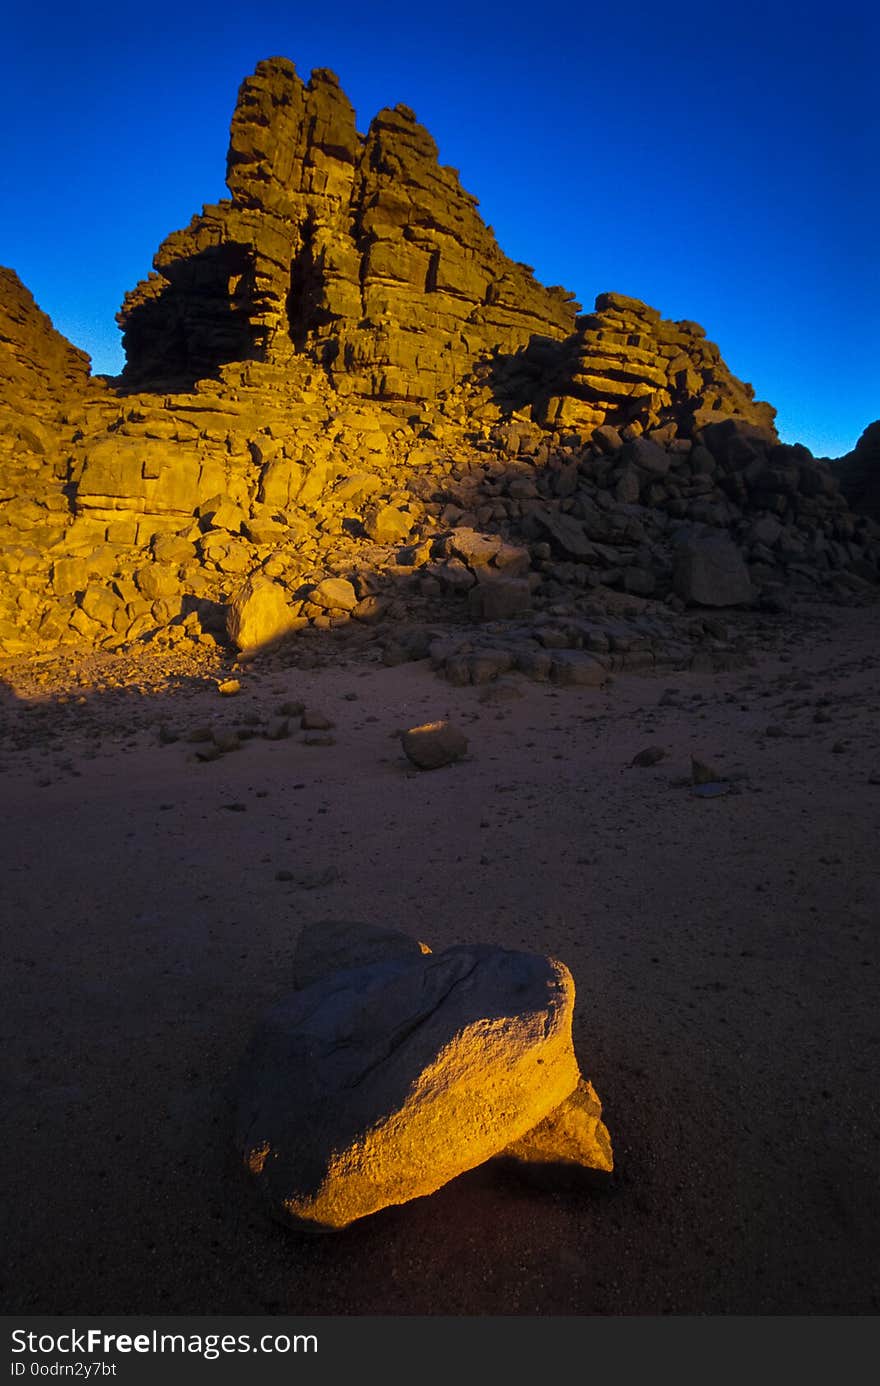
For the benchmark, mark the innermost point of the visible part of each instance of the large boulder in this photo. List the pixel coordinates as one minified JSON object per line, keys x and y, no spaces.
{"x":711,"y":571}
{"x":378,"y":1083}
{"x":259,"y":615}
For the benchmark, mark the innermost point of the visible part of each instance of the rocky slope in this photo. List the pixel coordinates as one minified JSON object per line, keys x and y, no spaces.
{"x":337,"y":383}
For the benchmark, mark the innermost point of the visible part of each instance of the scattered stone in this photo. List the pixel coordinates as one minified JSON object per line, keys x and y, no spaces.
{"x":226,"y":741}
{"x":291,"y":709}
{"x":278,"y":729}
{"x":229,"y":687}
{"x":315,"y":880}
{"x":313,"y":720}
{"x":434,"y":745}
{"x":701,"y":773}
{"x":209,"y":752}
{"x":651,"y":755}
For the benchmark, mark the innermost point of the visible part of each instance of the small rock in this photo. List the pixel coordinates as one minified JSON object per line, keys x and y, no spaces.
{"x":313,"y":720}
{"x":208,"y":752}
{"x":229,"y":687}
{"x":278,"y":729}
{"x":334,"y":594}
{"x":226,"y":741}
{"x":434,"y":745}
{"x":313,"y":880}
{"x":649,"y":756}
{"x":701,"y":773}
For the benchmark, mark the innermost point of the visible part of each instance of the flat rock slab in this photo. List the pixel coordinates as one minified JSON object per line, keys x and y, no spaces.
{"x":379,"y":1084}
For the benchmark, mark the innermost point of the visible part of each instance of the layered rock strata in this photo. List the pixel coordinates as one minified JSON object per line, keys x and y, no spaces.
{"x":362,"y":253}
{"x":627,"y":366}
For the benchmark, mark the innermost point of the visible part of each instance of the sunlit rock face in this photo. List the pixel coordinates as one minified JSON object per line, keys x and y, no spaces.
{"x":363,"y":253}
{"x":37,"y":363}
{"x":379,"y":1082}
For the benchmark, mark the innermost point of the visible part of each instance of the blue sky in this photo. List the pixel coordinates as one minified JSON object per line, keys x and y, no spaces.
{"x":719,"y":162}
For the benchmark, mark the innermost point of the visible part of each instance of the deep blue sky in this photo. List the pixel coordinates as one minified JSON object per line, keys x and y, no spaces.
{"x":720,"y":162}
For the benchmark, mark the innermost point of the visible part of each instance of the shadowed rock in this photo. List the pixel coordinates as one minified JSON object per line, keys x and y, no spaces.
{"x":434,"y":745}
{"x":710,"y":571}
{"x":859,"y":472}
{"x":332,"y":944}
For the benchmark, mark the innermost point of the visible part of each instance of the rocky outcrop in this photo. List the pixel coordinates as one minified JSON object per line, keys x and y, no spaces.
{"x":363,"y":254}
{"x":37,"y":364}
{"x":858,"y":473}
{"x":43,"y":382}
{"x":381,"y":1081}
{"x":341,"y":393}
{"x":627,"y":367}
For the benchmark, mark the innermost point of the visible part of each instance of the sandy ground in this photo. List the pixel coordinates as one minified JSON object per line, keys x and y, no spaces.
{"x":724,"y":952}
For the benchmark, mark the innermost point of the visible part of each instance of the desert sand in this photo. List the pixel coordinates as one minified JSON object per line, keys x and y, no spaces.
{"x":723,"y":949}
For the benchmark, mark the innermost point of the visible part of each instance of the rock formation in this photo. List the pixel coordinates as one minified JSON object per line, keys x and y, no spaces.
{"x":396,"y":1069}
{"x":859,"y":473}
{"x":627,"y":366}
{"x":362,"y":253}
{"x":344,"y":405}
